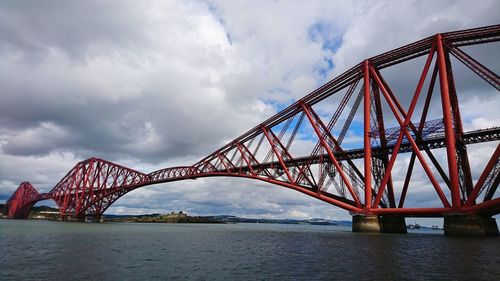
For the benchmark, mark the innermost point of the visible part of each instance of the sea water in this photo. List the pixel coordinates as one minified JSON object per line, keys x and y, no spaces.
{"x":49,"y":250}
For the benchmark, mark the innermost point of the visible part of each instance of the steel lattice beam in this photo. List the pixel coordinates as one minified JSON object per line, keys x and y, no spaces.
{"x":261,"y":154}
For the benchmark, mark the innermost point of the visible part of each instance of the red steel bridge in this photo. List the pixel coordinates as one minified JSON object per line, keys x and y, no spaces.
{"x":360,"y":179}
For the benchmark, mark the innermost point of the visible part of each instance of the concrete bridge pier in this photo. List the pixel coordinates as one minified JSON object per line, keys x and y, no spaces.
{"x":92,"y":218}
{"x":378,"y":224}
{"x":470,"y":225}
{"x":82,"y":218}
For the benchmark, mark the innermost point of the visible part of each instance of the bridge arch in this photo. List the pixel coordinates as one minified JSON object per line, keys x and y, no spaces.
{"x":322,"y":195}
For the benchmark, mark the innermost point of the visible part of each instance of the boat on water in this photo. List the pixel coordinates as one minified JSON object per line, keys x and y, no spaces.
{"x":413,"y":226}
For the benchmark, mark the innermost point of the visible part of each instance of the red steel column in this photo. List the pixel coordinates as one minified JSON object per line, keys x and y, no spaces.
{"x":448,"y":125}
{"x":366,"y":136}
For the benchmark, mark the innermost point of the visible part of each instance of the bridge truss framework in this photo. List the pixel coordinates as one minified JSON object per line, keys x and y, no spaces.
{"x":359,"y":180}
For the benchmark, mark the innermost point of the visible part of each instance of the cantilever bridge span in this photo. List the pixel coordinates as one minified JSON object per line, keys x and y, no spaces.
{"x":358,"y":177}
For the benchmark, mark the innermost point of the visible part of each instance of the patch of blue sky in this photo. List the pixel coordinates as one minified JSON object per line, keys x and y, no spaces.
{"x":305,"y":131}
{"x":323,"y":69}
{"x":327,"y":34}
{"x":330,"y":38}
{"x":356,"y":129}
{"x":275,"y":99}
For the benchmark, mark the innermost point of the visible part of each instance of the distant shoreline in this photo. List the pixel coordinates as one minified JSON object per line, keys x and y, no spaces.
{"x":52,"y":214}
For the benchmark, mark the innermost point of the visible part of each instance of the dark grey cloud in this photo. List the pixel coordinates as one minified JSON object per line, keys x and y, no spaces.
{"x":80,"y":83}
{"x":33,"y":28}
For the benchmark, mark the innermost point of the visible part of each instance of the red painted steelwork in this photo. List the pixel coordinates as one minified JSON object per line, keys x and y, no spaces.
{"x":20,"y":203}
{"x":366,"y":136}
{"x":261,"y":154}
{"x":448,"y":123}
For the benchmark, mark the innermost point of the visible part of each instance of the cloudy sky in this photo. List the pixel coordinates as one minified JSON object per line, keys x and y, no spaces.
{"x":152,"y":84}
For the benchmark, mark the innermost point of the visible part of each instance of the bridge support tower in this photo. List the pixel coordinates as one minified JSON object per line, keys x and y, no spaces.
{"x":378,"y":224}
{"x":470,"y":225}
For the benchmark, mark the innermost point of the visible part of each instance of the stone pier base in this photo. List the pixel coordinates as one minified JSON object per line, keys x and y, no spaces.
{"x":84,"y":218}
{"x":393,"y":224}
{"x":376,"y":224}
{"x":361,"y":223}
{"x":470,"y":225}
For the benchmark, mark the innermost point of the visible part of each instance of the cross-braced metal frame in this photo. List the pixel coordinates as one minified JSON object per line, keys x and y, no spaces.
{"x":360,"y":179}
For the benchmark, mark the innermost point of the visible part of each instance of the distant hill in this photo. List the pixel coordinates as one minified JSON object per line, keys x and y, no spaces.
{"x":218,"y":218}
{"x":44,"y":208}
{"x":3,"y":209}
{"x":172,"y":217}
{"x":184,"y":218}
{"x":314,"y":221}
